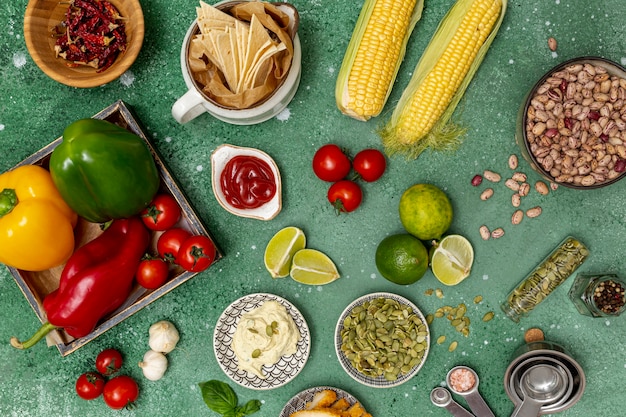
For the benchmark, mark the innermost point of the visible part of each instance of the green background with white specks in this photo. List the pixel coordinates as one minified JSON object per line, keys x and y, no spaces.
{"x":34,"y":110}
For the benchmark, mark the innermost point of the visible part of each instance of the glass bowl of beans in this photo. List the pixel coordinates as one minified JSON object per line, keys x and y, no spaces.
{"x":571,"y":127}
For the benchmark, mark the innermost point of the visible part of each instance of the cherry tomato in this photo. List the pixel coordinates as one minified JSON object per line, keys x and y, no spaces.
{"x":345,"y":196}
{"x":120,"y":392}
{"x":330,"y":163}
{"x":169,"y":243}
{"x":196,"y":253}
{"x":109,"y":361}
{"x":370,"y":164}
{"x":89,"y":385}
{"x":162,"y":213}
{"x":152,"y":273}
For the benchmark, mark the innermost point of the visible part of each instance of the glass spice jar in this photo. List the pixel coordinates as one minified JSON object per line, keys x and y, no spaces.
{"x":598,"y":295}
{"x":545,"y":278}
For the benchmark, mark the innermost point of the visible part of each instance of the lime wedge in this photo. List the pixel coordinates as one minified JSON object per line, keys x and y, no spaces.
{"x":452,"y":260}
{"x":280,"y":250}
{"x":313,"y":267}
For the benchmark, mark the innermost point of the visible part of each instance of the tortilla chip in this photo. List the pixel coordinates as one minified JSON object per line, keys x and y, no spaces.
{"x":234,"y":57}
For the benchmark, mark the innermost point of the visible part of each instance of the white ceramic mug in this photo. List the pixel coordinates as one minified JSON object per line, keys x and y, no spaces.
{"x":194,"y":102}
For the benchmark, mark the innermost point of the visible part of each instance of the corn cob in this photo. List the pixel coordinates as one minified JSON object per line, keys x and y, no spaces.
{"x":441,"y":77}
{"x":374,"y":54}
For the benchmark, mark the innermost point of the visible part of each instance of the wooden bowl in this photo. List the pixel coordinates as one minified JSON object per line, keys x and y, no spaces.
{"x":44,"y":15}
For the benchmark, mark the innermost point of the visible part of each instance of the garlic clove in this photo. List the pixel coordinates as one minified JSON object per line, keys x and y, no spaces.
{"x":154,"y":365}
{"x":220,"y":158}
{"x":163,"y":336}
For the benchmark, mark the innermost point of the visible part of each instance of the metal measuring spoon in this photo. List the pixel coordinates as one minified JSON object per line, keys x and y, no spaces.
{"x":475,"y":401}
{"x":541,"y":385}
{"x":441,"y":397}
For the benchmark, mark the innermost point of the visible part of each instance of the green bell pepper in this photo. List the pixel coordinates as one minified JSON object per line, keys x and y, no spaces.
{"x":103,"y":171}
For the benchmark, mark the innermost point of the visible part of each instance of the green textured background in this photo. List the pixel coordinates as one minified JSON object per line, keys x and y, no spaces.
{"x":35,"y":109}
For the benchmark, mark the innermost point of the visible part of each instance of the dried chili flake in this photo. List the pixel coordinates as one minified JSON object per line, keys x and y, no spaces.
{"x":92,"y":34}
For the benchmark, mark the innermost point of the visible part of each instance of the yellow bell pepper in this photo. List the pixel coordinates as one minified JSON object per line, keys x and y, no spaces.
{"x":36,"y":225}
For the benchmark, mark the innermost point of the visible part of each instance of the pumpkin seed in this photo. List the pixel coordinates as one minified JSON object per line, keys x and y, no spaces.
{"x":453,"y":346}
{"x":478,"y":299}
{"x":384,"y":338}
{"x":488,"y":316}
{"x":441,"y":339}
{"x":256,"y":353}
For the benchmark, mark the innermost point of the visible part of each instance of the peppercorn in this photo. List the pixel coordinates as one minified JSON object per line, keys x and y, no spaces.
{"x":609,"y":296}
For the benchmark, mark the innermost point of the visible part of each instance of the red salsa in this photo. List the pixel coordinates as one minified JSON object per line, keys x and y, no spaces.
{"x":247,"y":182}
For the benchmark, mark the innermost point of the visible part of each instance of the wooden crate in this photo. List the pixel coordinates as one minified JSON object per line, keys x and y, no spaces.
{"x":36,"y":285}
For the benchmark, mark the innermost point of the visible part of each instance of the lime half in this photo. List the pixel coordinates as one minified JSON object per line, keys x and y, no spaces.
{"x":452,"y":259}
{"x":280,"y":250}
{"x":313,"y":267}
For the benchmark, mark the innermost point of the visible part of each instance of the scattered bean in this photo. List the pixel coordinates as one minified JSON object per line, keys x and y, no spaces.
{"x":486,"y":194}
{"x":552,"y":44}
{"x":512,"y":184}
{"x":477,"y":180}
{"x":519,"y":177}
{"x":533,"y":212}
{"x":485,"y":234}
{"x":524,"y":189}
{"x":516,"y":200}
{"x":492,"y":176}
{"x":513,"y":161}
{"x":497,"y":233}
{"x":517,"y":217}
{"x":541,"y":188}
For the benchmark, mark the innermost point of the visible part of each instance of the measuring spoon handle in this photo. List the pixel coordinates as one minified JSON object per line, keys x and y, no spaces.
{"x":478,"y":405}
{"x":456,"y":410}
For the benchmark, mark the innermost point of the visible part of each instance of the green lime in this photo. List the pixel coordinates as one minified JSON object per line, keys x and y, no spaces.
{"x":313,"y":267}
{"x":280,"y":250}
{"x":425,"y":211}
{"x":402,"y":259}
{"x":452,"y":259}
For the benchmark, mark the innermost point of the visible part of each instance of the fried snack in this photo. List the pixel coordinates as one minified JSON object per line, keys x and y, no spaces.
{"x":240,"y":58}
{"x":326,"y":404}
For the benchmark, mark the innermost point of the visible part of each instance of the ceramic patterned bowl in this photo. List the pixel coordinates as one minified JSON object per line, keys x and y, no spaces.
{"x":374,"y":330}
{"x":283,"y":371}
{"x":40,"y":21}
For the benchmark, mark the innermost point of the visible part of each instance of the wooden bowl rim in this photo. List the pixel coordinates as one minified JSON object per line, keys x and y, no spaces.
{"x":85,"y":77}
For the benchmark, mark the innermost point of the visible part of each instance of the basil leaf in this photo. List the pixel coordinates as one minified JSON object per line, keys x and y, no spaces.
{"x":251,"y":407}
{"x":219,"y":397}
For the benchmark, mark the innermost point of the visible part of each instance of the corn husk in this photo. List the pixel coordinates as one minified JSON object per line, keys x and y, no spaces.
{"x":341,"y":89}
{"x":445,"y":134}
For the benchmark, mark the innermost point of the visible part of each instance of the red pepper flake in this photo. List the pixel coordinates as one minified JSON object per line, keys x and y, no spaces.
{"x":92,"y":34}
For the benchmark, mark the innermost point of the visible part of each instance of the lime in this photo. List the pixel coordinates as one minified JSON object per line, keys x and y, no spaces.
{"x":452,"y":259}
{"x":280,"y":250}
{"x":313,"y":267}
{"x":402,"y":259}
{"x":425,"y":211}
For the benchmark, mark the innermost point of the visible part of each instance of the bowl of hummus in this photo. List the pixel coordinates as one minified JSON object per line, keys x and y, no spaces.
{"x":261,"y":341}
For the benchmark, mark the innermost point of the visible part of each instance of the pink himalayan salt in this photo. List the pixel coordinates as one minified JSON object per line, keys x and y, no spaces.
{"x":462,"y":380}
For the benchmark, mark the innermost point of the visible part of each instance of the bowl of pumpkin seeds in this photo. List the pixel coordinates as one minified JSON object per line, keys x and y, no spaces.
{"x":382,"y":340}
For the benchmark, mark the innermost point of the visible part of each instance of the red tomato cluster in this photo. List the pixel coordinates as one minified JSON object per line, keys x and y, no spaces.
{"x":332,"y":164}
{"x":118,"y":392}
{"x":175,"y":245}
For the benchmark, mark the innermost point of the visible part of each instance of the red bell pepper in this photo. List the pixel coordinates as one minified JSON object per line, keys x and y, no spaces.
{"x":96,"y":280}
